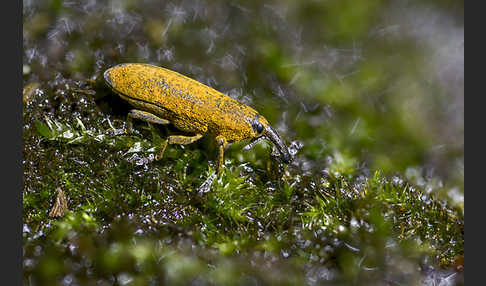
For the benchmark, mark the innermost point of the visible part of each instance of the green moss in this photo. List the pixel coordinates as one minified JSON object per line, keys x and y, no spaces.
{"x":246,"y":210}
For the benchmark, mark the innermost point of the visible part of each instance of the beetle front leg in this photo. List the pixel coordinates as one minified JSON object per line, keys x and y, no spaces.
{"x":222,"y":145}
{"x":253,"y":142}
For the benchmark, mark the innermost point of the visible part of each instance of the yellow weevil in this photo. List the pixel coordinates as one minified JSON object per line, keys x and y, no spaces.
{"x":163,"y":96}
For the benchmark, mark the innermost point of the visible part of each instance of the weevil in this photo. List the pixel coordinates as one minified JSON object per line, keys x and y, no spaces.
{"x":162,"y":96}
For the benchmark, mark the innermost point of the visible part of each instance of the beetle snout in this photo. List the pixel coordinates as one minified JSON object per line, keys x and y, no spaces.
{"x":272,"y":135}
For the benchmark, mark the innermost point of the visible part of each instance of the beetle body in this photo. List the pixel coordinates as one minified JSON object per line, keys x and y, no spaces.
{"x":163,"y":96}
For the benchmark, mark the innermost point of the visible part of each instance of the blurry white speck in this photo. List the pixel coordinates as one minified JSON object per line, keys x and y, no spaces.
{"x":67,"y":25}
{"x":120,"y":47}
{"x":30,"y":53}
{"x":211,"y":47}
{"x":29,"y":263}
{"x":143,"y":51}
{"x":51,"y":34}
{"x":354,"y":126}
{"x":124,"y":278}
{"x":285,"y":254}
{"x":25,"y":69}
{"x":165,"y":54}
{"x":456,"y":196}
{"x":282,"y":94}
{"x":228,"y":62}
{"x":352,"y":248}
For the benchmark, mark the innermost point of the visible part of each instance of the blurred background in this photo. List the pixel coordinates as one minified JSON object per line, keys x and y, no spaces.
{"x":376,"y":84}
{"x":352,"y":86}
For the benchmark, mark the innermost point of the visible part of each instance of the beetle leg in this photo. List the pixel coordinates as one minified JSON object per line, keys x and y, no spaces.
{"x":142,"y":115}
{"x":176,"y":139}
{"x":275,"y":152}
{"x":253,"y":142}
{"x":222,"y":144}
{"x":159,"y":154}
{"x":183,"y":140}
{"x":147,"y":117}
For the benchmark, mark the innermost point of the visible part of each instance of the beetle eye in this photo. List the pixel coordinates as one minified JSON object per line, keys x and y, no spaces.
{"x":258,"y":127}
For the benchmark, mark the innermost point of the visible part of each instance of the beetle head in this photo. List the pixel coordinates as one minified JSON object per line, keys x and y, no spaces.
{"x":262,"y":129}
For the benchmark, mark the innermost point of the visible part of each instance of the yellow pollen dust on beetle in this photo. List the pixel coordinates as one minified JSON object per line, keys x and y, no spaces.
{"x":163,"y":96}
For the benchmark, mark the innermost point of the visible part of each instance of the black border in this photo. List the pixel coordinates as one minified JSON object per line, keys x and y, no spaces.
{"x":11,"y":118}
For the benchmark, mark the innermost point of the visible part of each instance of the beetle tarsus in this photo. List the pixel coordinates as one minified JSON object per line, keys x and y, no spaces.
{"x":222,"y":145}
{"x":160,"y":154}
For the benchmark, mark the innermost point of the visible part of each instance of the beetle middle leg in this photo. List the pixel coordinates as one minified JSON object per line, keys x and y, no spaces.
{"x":176,"y":139}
